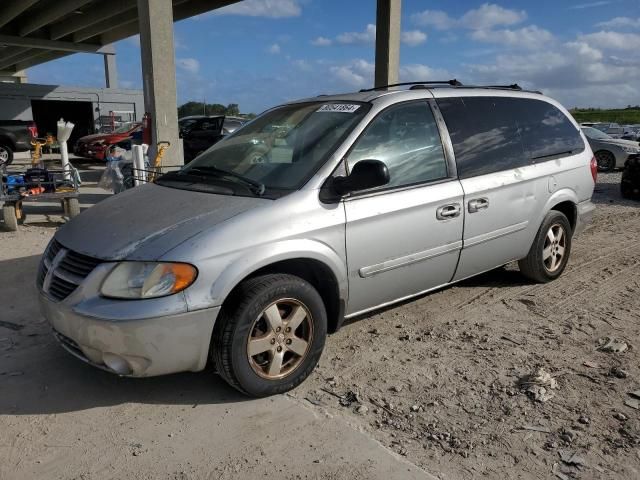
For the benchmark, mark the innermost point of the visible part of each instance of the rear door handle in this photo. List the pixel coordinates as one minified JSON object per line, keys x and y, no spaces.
{"x":446,"y":212}
{"x":478,"y":204}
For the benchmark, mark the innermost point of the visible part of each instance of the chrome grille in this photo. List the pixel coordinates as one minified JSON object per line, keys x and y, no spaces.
{"x":62,"y":270}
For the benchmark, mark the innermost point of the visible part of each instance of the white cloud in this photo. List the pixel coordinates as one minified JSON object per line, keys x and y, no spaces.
{"x":487,"y":16}
{"x":189,"y":65}
{"x":262,"y":8}
{"x":321,"y":42}
{"x":530,"y":37}
{"x":274,"y":49}
{"x":413,"y":38}
{"x":576,"y":73}
{"x":620,"y":22}
{"x":423,"y":73}
{"x":585,"y":51}
{"x":434,"y":18}
{"x":356,"y":74}
{"x":492,"y":15}
{"x":613,"y":40}
{"x":582,"y":6}
{"x":368,"y":36}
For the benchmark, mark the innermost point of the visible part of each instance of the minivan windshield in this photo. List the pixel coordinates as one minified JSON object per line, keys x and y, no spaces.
{"x":277,"y":152}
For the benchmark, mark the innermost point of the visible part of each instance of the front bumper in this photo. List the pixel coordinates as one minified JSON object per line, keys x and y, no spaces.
{"x":585,"y":216}
{"x":137,"y":348}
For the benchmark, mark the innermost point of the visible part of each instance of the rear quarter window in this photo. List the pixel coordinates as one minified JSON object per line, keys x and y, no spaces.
{"x":491,"y":134}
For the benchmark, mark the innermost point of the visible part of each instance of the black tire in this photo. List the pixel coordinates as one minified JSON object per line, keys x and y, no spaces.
{"x":10,"y":218}
{"x":626,"y":190}
{"x":240,"y":315}
{"x":535,"y":266}
{"x":606,"y":161}
{"x":73,"y":207}
{"x":6,"y":156}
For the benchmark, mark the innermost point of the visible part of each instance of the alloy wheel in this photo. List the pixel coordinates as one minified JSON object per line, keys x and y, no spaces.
{"x":606,"y":161}
{"x":4,"y":155}
{"x":279,"y":339}
{"x":554,"y":248}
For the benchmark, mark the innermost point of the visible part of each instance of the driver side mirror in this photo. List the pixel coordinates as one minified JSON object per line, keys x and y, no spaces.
{"x":365,"y":174}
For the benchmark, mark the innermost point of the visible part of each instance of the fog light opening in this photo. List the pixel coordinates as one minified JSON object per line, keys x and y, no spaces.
{"x":116,"y":363}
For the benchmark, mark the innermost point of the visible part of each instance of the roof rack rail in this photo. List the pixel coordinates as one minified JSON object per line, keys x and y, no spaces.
{"x":453,"y":83}
{"x":513,"y":86}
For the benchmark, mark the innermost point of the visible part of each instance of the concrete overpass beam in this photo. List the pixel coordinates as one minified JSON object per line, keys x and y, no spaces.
{"x":387,"y":42}
{"x":159,"y":76}
{"x":110,"y":71}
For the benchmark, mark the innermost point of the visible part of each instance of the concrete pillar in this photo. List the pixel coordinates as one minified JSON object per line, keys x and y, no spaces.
{"x":159,"y":77}
{"x":110,"y":71}
{"x":387,"y":42}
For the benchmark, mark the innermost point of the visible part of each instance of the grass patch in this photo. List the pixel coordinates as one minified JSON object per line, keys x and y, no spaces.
{"x":622,"y":116}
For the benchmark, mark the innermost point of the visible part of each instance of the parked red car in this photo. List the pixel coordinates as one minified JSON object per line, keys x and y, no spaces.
{"x":94,"y":146}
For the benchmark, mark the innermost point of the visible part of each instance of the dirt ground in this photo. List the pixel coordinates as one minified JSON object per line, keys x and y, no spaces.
{"x":441,"y":376}
{"x":442,"y":384}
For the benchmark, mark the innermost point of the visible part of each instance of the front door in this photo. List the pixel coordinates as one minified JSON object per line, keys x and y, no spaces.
{"x":403,"y":238}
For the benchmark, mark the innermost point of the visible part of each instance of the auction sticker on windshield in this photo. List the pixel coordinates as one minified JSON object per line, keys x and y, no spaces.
{"x":339,"y":107}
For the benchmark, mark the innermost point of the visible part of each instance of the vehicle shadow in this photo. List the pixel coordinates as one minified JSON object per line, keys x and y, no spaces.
{"x":38,"y":377}
{"x":607,"y":191}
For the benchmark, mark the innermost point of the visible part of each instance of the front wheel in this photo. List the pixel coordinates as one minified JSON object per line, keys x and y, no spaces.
{"x":606,"y":161}
{"x":550,"y":251}
{"x":270,"y":335}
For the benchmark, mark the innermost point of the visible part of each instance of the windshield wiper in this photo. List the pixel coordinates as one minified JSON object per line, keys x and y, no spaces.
{"x":258,"y":187}
{"x":567,"y":152}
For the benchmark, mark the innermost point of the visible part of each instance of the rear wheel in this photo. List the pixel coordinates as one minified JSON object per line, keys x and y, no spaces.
{"x":10,"y":217}
{"x":6,"y":156}
{"x":550,"y":251}
{"x":71,"y":207}
{"x":270,"y":335}
{"x":606,"y":161}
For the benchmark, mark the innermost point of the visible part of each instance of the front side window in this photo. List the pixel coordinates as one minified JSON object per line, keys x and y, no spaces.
{"x":278,"y":151}
{"x":406,"y":138}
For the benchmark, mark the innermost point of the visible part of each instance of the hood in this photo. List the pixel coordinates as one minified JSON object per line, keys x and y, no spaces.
{"x":146,"y":222}
{"x":620,"y":142}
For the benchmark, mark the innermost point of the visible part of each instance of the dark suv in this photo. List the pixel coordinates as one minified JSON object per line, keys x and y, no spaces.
{"x":15,"y":136}
{"x":199,"y":132}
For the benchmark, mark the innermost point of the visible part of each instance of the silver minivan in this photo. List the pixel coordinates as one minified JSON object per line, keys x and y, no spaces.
{"x":317,"y":211}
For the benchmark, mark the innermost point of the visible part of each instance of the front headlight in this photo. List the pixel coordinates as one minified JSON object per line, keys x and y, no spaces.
{"x":139,"y":280}
{"x":630,"y":149}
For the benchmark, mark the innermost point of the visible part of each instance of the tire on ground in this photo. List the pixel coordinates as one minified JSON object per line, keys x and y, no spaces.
{"x":73,"y":207}
{"x":10,"y":218}
{"x":533,"y":265}
{"x":5,"y":149}
{"x":229,"y":346}
{"x":606,"y":161}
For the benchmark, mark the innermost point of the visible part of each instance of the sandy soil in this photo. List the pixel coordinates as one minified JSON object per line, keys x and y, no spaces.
{"x":441,"y":376}
{"x":438,"y":384}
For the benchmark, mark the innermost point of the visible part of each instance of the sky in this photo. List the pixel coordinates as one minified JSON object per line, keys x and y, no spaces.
{"x":260,"y":53}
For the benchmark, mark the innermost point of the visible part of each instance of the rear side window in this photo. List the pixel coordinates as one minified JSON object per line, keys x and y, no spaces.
{"x":484,"y":133}
{"x":405,"y":137}
{"x":491,"y":134}
{"x":546,"y":131}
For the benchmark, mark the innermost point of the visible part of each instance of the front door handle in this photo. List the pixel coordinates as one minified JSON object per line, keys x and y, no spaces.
{"x":448,"y":211}
{"x":478,"y":204}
